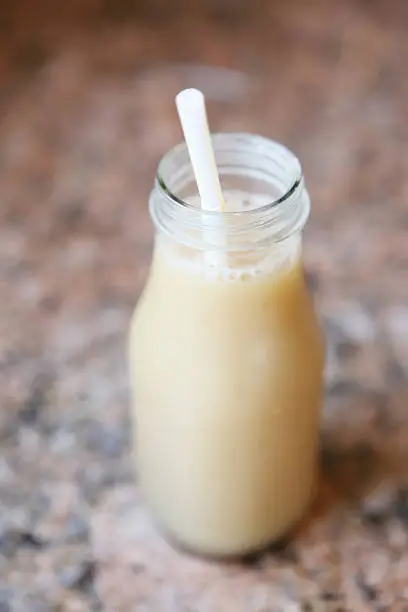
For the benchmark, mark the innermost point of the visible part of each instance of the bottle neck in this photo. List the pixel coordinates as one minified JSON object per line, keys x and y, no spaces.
{"x":262,"y":181}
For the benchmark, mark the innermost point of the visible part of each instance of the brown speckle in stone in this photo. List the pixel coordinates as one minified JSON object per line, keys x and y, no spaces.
{"x":4,"y":605}
{"x":29,"y":540}
{"x":343,"y":388}
{"x":395,"y":374}
{"x":312,"y":280}
{"x":72,"y":214}
{"x":76,"y":528}
{"x":346,"y":349}
{"x":33,"y":406}
{"x":401,"y":505}
{"x":121,"y":10}
{"x":377,"y":506}
{"x":376,"y":519}
{"x":31,"y":55}
{"x":368,"y":592}
{"x":227,"y":11}
{"x":79,"y":576}
{"x":349,"y":469}
{"x":49,"y":303}
{"x":12,"y":539}
{"x":330,"y":596}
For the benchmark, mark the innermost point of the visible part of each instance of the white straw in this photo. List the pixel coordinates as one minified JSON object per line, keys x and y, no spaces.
{"x":193,"y":117}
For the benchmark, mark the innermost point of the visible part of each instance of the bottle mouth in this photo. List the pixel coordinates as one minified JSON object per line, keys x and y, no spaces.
{"x":274,"y":202}
{"x":169,"y":184}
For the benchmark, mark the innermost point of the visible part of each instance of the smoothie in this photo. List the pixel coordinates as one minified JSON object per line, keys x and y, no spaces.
{"x":226,"y":371}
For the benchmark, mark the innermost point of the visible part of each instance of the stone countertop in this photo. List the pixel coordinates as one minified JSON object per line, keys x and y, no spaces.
{"x":86,"y":113}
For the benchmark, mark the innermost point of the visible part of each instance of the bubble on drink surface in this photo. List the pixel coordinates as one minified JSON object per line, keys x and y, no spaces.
{"x":237,"y":201}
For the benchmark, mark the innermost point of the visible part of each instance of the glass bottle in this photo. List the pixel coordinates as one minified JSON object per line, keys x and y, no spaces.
{"x":226,"y":353}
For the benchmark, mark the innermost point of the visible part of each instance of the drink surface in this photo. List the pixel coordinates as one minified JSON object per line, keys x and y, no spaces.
{"x":226,"y":370}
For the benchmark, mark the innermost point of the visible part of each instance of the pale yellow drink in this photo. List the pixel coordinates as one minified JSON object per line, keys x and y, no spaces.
{"x":227,"y":376}
{"x":226,"y":354}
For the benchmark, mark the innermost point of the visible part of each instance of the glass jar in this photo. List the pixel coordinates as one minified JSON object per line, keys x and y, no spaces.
{"x":226,"y":353}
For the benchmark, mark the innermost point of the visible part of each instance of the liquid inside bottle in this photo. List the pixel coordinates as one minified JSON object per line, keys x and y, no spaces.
{"x":226,"y":372}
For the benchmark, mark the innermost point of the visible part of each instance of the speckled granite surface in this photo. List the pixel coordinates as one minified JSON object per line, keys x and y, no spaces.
{"x":86,"y":112}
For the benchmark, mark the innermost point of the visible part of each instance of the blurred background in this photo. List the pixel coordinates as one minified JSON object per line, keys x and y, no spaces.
{"x":86,"y":111}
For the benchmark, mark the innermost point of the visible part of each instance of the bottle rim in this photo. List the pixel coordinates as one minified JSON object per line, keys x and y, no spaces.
{"x":267,"y":169}
{"x":223,"y":138}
